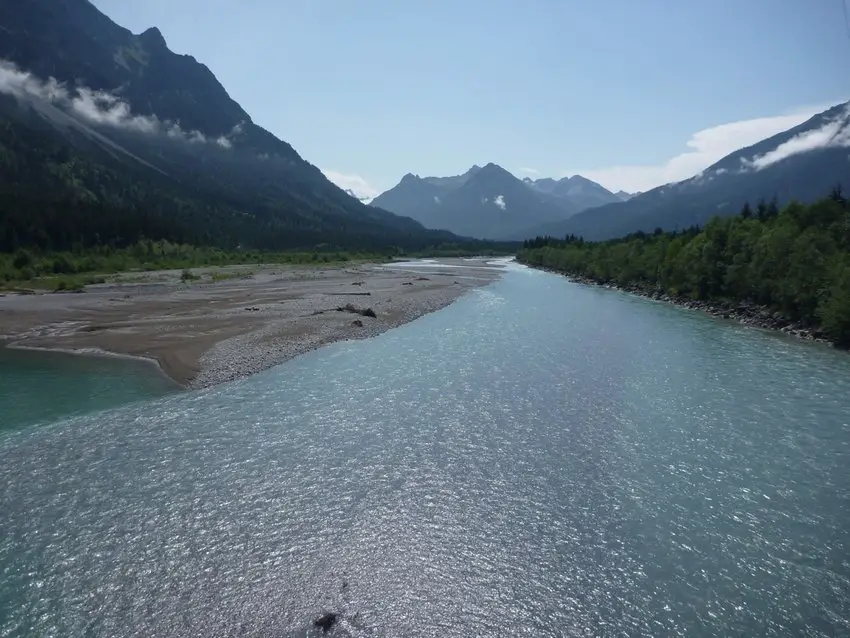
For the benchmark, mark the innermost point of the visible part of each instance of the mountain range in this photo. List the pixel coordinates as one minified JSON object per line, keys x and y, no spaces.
{"x":109,"y":137}
{"x":802,"y":163}
{"x":489,"y":202}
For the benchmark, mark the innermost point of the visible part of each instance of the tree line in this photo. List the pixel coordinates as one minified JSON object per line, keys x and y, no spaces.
{"x":68,"y":207}
{"x":794,"y":260}
{"x":64,"y":193}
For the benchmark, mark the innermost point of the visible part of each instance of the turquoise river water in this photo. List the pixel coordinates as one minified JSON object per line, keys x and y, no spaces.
{"x":541,"y":458}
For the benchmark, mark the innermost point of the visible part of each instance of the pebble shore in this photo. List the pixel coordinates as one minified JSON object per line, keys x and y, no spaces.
{"x":230,"y":322}
{"x":247,"y":354}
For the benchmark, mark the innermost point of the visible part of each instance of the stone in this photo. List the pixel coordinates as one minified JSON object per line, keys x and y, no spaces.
{"x":326,"y":621}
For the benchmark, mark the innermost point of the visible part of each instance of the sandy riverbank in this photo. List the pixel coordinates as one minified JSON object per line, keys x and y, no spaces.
{"x":203,"y":333}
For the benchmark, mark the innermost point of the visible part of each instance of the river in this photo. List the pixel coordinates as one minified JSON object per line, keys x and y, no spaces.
{"x":42,"y":386}
{"x":540,"y":458}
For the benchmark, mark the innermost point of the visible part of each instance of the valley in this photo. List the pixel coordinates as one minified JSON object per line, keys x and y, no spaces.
{"x":378,"y":319}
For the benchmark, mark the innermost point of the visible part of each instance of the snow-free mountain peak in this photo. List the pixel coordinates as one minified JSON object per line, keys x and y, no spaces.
{"x":490,"y":202}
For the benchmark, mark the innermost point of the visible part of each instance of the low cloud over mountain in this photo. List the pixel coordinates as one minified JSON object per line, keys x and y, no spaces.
{"x":98,"y":107}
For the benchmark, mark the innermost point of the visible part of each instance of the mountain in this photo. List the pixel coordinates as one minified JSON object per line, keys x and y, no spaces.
{"x":579,"y":191}
{"x":360,"y":198}
{"x":110,"y":137}
{"x":490,"y":202}
{"x":625,"y":196}
{"x":486,"y":202}
{"x":803,"y":163}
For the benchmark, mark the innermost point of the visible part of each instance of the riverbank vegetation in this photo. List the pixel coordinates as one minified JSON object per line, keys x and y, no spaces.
{"x":794,"y":261}
{"x":74,"y":269}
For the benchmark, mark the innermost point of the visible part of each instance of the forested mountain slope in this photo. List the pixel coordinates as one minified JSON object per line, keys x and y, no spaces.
{"x":107,"y":136}
{"x":801,"y":163}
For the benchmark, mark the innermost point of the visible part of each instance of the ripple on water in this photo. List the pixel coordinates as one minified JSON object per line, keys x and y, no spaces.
{"x":538,"y":459}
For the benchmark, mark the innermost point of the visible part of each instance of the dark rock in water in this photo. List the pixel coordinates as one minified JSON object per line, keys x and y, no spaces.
{"x":326,"y":621}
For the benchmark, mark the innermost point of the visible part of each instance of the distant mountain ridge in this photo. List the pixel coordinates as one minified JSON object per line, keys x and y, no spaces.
{"x":141,"y":132}
{"x":802,"y":163}
{"x":489,"y":202}
{"x":581,"y":192}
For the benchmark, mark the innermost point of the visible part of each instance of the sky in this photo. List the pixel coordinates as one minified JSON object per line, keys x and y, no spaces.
{"x":630,"y":93}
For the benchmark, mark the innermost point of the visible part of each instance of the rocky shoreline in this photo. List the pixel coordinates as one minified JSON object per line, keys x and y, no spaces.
{"x":745,"y":313}
{"x":231,"y":322}
{"x":246,"y":354}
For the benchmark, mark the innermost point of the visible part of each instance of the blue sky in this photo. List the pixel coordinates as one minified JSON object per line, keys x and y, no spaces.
{"x":632,"y":93}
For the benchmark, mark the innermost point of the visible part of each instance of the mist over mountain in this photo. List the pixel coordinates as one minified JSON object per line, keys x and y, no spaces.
{"x":803,"y":163}
{"x":108,"y":136}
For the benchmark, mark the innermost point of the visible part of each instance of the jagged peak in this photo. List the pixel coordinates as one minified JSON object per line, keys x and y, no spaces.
{"x":154,"y":37}
{"x":580,"y":179}
{"x":492,"y":167}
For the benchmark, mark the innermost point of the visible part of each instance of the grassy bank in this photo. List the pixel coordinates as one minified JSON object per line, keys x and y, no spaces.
{"x":73,"y":270}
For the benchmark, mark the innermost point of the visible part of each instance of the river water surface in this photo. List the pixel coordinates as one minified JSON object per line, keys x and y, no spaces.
{"x":540,"y":458}
{"x":39,"y":386}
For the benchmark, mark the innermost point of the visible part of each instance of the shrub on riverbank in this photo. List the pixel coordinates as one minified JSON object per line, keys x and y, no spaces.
{"x":25,"y":265}
{"x":795,"y":261}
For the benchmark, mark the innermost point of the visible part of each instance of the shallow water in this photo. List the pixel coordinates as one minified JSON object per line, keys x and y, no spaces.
{"x":540,"y":458}
{"x":39,"y":387}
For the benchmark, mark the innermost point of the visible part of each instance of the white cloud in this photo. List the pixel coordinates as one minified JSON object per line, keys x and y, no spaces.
{"x":15,"y":82}
{"x":530,"y":171}
{"x":96,"y":107}
{"x":705,"y":148}
{"x":500,"y":202}
{"x":834,"y":133}
{"x":362,"y":189}
{"x":103,"y":108}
